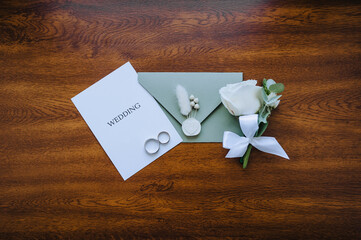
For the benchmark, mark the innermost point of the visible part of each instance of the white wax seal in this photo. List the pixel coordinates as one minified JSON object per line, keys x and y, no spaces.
{"x":191,"y":127}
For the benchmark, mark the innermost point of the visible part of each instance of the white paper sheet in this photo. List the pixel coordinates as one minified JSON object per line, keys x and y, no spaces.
{"x":123,"y":115}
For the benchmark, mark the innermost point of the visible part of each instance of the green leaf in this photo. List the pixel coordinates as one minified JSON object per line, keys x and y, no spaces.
{"x":274,"y":99}
{"x":262,"y":128}
{"x":262,"y":118}
{"x":270,"y":82}
{"x":277,"y":88}
{"x":264,"y":82}
{"x":263,"y":114}
{"x":264,"y":95}
{"x":265,"y":88}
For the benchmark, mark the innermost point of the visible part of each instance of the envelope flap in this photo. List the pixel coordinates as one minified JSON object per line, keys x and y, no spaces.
{"x":204,"y":86}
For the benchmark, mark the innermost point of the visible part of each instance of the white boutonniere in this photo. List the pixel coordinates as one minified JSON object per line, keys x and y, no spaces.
{"x":253,"y":105}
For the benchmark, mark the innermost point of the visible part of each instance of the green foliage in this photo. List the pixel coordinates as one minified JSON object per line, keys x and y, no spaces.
{"x":271,"y":86}
{"x":270,"y":82}
{"x":264,"y":95}
{"x":277,"y":88}
{"x":264,"y":114}
{"x":261,"y":129}
{"x":265,"y":88}
{"x":273,"y":99}
{"x":269,"y":100}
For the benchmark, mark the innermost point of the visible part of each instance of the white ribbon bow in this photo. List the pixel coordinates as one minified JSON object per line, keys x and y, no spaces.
{"x":238,"y":145}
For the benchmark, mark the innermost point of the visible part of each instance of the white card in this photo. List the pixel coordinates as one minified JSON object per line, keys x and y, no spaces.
{"x":123,"y":115}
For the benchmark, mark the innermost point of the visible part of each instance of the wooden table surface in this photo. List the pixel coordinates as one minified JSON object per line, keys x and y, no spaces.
{"x":56,"y":182}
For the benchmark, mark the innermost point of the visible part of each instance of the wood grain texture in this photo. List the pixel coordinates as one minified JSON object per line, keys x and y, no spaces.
{"x":57,"y":183}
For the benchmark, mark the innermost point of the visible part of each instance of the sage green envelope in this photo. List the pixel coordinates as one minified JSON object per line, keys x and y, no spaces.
{"x":214,"y":117}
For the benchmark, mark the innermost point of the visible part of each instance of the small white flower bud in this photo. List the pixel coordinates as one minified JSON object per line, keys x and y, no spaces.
{"x":196,"y":100}
{"x":191,"y":97}
{"x":192,"y":104}
{"x":196,"y":106}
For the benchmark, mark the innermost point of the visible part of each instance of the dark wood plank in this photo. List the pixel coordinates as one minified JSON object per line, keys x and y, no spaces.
{"x":57,"y":183}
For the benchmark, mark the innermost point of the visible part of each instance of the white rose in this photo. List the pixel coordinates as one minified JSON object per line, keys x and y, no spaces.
{"x":242,"y":98}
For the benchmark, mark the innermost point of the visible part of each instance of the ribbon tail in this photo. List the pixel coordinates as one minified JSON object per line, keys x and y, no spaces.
{"x":238,"y":150}
{"x":269,"y":145}
{"x":230,"y":139}
{"x":236,"y":144}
